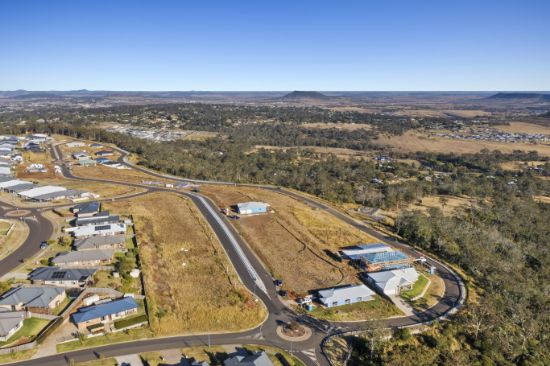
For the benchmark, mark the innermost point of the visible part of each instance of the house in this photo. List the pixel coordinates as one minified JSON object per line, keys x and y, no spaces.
{"x":75,"y":144}
{"x":114,"y":242}
{"x":41,"y":191}
{"x":84,"y":258}
{"x":244,"y":359}
{"x":72,"y":277}
{"x":98,"y":219}
{"x":72,"y":194}
{"x":91,"y":230}
{"x":102,"y":160}
{"x":10,"y":322}
{"x":112,"y":164}
{"x":95,"y":144}
{"x":349,"y":294}
{"x":393,"y":282}
{"x":20,"y":187}
{"x":104,"y":153}
{"x":86,"y":209}
{"x":80,"y":155}
{"x":250,"y":208}
{"x":385,"y":261}
{"x":32,"y":298}
{"x":86,"y":162}
{"x":103,"y":314}
{"x":355,"y":252}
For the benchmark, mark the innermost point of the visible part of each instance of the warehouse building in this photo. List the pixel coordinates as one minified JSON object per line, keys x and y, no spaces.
{"x":251,"y":208}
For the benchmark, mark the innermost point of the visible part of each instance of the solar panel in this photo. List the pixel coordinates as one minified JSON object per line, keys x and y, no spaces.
{"x":58,"y":275}
{"x":102,"y":227}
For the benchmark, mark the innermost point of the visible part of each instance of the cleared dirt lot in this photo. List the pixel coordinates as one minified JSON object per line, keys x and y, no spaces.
{"x":296,"y":242}
{"x":413,"y":141}
{"x":119,"y":175}
{"x":338,"y":126}
{"x":191,"y":285}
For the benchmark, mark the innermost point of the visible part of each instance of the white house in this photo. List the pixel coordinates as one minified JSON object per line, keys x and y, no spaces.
{"x":345,"y":295}
{"x":357,"y":251}
{"x":394,"y":281}
{"x":91,"y":230}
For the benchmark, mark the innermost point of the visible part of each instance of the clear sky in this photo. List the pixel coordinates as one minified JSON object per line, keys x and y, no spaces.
{"x":275,"y":45}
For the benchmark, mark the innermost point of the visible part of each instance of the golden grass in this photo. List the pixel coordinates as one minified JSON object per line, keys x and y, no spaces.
{"x":413,"y":141}
{"x":190,"y":283}
{"x":16,"y":237}
{"x":339,"y":126}
{"x":542,"y":199}
{"x":523,"y":127}
{"x":447,"y":204}
{"x":37,"y":158}
{"x":118,"y":175}
{"x":519,"y":165}
{"x":295,"y":242}
{"x":466,"y":113}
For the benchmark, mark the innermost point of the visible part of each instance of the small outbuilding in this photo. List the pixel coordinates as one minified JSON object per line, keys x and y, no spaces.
{"x":251,"y":208}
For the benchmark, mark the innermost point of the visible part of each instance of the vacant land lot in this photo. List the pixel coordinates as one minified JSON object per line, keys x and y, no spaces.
{"x":119,"y":175}
{"x":522,"y":127}
{"x":190,"y":284}
{"x":296,"y":242}
{"x":339,"y":126}
{"x":341,"y":153}
{"x":16,"y":237}
{"x":413,"y":141}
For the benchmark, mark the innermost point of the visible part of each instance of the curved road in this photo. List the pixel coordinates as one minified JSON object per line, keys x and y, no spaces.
{"x":308,"y":351}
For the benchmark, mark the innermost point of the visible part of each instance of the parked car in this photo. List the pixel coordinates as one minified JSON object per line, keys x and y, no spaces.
{"x":278,"y":282}
{"x":43,"y":245}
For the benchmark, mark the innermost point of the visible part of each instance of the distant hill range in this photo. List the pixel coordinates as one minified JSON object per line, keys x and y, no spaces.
{"x":305,"y":95}
{"x":525,"y":96}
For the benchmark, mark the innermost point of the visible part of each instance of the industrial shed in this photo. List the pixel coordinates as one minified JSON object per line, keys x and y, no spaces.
{"x":40,"y":191}
{"x":250,"y":208}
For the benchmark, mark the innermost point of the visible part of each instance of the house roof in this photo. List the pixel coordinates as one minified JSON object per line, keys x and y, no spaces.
{"x":256,"y":359}
{"x":84,"y":256}
{"x":97,"y":219}
{"x":98,"y":241}
{"x":21,"y":187}
{"x":57,"y":274}
{"x":98,"y":311}
{"x":383,"y":257}
{"x":87,"y":207}
{"x":90,"y":230}
{"x":345,"y":292}
{"x":391,"y":280}
{"x":357,"y":251}
{"x":39,"y":297}
{"x":10,"y":320}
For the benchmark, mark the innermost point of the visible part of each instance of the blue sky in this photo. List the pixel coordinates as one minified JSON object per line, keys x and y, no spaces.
{"x":275,"y":45}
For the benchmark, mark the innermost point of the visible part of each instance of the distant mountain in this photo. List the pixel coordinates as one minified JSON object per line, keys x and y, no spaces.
{"x":304,"y":95}
{"x":525,"y":96}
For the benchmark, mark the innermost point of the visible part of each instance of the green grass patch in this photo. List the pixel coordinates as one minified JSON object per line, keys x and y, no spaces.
{"x":120,"y":324}
{"x":99,"y":362}
{"x":375,"y":309}
{"x":31,"y":328}
{"x":417,"y":289}
{"x":17,"y":356}
{"x":59,"y":308}
{"x":125,"y":336}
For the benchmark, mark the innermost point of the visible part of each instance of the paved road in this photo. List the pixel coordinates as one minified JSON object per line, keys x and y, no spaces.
{"x":308,"y":351}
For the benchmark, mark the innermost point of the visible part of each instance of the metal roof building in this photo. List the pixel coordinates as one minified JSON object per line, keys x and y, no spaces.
{"x":247,"y":208}
{"x":99,"y":311}
{"x":10,"y":182}
{"x":395,"y":281}
{"x":67,"y":193}
{"x":357,"y":251}
{"x":345,"y":295}
{"x":35,"y":297}
{"x":40,"y":191}
{"x":10,"y":322}
{"x":99,"y":242}
{"x":71,"y":277}
{"x":84,"y":258}
{"x":91,"y":230}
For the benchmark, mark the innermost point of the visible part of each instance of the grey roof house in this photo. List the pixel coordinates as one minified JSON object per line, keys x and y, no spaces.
{"x":255,"y":359}
{"x":84,"y":258}
{"x":115,"y":242}
{"x":70,"y":277}
{"x":10,"y":322}
{"x":32,"y":298}
{"x":345,"y":295}
{"x":86,"y":209}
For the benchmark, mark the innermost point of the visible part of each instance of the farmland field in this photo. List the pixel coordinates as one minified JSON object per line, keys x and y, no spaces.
{"x":523,"y":127}
{"x":413,"y":141}
{"x":295,"y":242}
{"x":190,"y":283}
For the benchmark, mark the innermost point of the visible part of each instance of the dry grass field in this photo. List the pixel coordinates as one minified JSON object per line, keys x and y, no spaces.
{"x":466,"y":113}
{"x":18,"y":234}
{"x":447,"y":204}
{"x":413,"y":141}
{"x":296,"y":242}
{"x":190,"y":283}
{"x":523,"y":127}
{"x":520,"y":165}
{"x":338,"y":126}
{"x":119,"y":175}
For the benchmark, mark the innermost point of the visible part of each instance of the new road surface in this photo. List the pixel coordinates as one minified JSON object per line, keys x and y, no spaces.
{"x":253,"y":275}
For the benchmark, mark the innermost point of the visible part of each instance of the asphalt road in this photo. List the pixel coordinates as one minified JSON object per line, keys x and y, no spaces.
{"x":308,"y":351}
